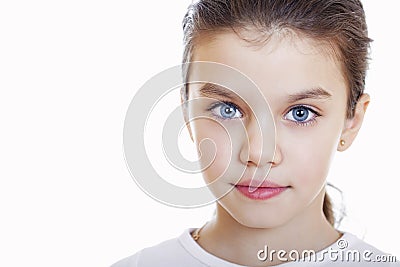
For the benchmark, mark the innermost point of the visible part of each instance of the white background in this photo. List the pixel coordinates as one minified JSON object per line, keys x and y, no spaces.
{"x":68,"y":71}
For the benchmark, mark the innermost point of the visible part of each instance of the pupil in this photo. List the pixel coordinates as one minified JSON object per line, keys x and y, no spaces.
{"x":300,"y":113}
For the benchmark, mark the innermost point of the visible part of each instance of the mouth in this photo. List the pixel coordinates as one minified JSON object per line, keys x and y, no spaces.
{"x":260,"y":190}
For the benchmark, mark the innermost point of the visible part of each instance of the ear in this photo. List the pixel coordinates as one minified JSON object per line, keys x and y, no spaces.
{"x":186,"y":115}
{"x":353,"y":125}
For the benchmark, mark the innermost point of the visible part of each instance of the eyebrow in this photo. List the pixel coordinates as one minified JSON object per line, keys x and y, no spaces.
{"x":210,"y":89}
{"x":313,"y":93}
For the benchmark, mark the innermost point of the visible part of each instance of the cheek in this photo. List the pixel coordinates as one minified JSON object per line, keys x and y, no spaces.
{"x":311,"y":152}
{"x":214,"y":147}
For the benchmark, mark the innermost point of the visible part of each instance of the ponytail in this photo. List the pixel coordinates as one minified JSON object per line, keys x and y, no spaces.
{"x":328,"y":210}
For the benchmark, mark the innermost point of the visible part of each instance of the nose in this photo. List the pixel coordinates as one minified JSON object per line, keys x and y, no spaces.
{"x":259,"y":148}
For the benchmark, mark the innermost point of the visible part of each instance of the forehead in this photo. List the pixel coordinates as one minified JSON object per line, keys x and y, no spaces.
{"x":283,"y":64}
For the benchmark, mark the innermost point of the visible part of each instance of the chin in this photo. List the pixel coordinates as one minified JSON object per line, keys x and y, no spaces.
{"x":255,"y":218}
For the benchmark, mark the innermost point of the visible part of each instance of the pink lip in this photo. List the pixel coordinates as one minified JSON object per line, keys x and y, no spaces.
{"x":265,"y":190}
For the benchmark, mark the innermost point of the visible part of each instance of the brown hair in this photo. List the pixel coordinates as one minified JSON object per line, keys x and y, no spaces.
{"x":338,"y":23}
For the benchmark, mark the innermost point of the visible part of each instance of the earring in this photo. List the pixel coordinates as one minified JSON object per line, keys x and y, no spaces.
{"x":342,"y":142}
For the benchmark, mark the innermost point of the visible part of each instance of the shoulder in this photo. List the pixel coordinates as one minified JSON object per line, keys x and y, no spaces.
{"x":350,"y":241}
{"x":168,"y":253}
{"x":157,"y":255}
{"x":131,"y":261}
{"x":353,"y":250}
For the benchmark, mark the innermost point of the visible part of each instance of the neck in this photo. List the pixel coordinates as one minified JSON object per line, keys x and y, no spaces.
{"x":228,"y":239}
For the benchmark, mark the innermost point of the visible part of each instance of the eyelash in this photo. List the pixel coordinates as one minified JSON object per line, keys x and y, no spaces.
{"x":305,"y":123}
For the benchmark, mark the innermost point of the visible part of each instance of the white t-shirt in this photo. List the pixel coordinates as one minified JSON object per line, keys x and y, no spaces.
{"x":185,"y":251}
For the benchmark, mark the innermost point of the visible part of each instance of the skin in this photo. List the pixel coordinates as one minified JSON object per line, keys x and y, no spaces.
{"x":284,"y":67}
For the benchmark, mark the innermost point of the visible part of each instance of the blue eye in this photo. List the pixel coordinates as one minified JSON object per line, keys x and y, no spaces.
{"x":226,"y":110}
{"x":301,"y":114}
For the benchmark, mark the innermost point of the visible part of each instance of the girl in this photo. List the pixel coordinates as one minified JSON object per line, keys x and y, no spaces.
{"x":308,"y":59}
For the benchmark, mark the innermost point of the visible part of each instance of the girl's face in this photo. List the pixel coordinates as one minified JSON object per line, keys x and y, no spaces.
{"x":306,"y":91}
